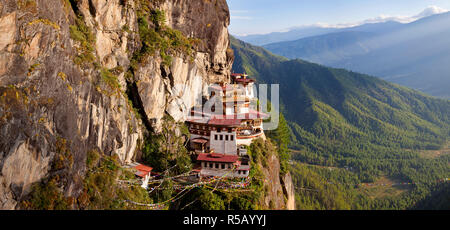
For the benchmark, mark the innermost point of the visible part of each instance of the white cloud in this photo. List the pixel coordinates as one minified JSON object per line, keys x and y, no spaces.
{"x":429,"y":11}
{"x":236,"y":17}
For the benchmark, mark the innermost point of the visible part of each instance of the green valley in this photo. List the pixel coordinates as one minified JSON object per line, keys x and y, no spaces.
{"x":370,"y":128}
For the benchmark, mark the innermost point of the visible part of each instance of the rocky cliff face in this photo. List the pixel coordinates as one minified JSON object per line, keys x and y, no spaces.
{"x":279,"y":189}
{"x":65,"y":88}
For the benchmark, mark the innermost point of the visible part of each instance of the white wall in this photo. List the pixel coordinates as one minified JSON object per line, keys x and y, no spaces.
{"x":229,"y":111}
{"x":223,"y":146}
{"x":250,"y":91}
{"x":222,"y":172}
{"x":247,"y":142}
{"x":145,"y":181}
{"x":245,"y":110}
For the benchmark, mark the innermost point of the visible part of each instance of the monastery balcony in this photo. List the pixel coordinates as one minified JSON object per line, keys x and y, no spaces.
{"x":245,"y":128}
{"x":246,"y":134}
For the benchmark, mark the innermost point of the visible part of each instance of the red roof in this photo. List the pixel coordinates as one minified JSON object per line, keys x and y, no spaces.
{"x":244,"y":80}
{"x":225,"y":121}
{"x":143,"y":170}
{"x":200,"y":140}
{"x":214,"y":157}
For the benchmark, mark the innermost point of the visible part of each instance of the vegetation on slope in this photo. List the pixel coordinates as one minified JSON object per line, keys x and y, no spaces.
{"x":281,"y":138}
{"x":252,"y":198}
{"x":82,"y":34}
{"x":168,"y":148}
{"x":156,"y":37}
{"x":349,"y":120}
{"x":101,"y":185}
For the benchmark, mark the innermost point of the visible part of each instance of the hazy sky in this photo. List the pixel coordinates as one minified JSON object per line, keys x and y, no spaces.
{"x":264,"y":16}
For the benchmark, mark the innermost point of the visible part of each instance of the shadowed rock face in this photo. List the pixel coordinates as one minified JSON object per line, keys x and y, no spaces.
{"x":46,"y":98}
{"x":280,"y":194}
{"x":185,"y":81}
{"x":52,"y":107}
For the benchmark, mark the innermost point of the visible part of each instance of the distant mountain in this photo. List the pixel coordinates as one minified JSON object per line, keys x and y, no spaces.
{"x":363,"y":102}
{"x":294,"y":34}
{"x":325,"y":49}
{"x":345,"y":119}
{"x":415,"y":54}
{"x":309,"y":31}
{"x":379,"y":24}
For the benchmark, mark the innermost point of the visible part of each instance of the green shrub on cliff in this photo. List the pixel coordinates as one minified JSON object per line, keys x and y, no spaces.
{"x":282,"y":138}
{"x":157,"y":37}
{"x":251,"y":198}
{"x":102,"y":189}
{"x":211,"y":201}
{"x":81,"y":33}
{"x":168,"y":148}
{"x":110,"y":79}
{"x":47,"y":196}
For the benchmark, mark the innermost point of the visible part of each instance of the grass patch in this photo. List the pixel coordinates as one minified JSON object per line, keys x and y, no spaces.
{"x":157,"y":37}
{"x":47,"y":196}
{"x":432,"y":154}
{"x":81,"y":33}
{"x":102,"y":189}
{"x":384,"y":187}
{"x":45,"y":22}
{"x":110,"y":79}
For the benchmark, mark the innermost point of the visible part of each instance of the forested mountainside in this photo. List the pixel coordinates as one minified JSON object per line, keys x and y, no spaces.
{"x":384,"y":52}
{"x":89,"y":86}
{"x":350,"y":129}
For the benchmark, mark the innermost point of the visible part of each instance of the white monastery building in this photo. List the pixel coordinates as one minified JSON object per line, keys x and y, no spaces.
{"x":219,"y":138}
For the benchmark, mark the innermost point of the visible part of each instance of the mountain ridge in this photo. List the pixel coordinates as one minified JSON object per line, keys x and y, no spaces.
{"x":344,"y":119}
{"x":387,"y":55}
{"x":315,"y":30}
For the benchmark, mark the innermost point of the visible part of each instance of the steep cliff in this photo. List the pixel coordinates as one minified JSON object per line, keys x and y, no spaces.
{"x":278,"y":190}
{"x":97,"y":75}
